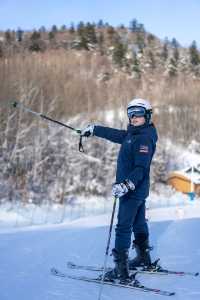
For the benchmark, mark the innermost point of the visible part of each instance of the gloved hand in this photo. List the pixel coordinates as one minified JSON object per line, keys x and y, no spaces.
{"x":88,"y":131}
{"x":120,"y":189}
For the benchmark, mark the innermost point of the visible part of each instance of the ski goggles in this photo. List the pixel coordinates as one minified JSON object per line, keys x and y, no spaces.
{"x":136,"y":111}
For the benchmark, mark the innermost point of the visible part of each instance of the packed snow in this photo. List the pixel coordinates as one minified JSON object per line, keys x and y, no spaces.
{"x":28,"y":252}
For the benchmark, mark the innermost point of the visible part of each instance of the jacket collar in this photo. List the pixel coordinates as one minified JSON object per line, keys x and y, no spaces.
{"x":138,"y":129}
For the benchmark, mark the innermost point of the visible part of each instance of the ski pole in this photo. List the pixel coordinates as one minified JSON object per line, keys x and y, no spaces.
{"x":107,"y":248}
{"x":18,"y":104}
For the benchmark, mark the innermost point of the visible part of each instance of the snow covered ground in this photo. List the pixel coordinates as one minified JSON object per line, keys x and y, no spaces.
{"x":28,"y":253}
{"x":16,"y":214}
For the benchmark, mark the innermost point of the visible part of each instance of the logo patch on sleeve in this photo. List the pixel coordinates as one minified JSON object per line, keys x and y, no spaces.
{"x":144,"y":149}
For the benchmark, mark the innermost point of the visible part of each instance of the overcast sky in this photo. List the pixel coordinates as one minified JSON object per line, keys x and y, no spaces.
{"x":164,"y":18}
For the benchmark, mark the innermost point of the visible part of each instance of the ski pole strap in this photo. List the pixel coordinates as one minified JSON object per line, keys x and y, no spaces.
{"x":80,"y":146}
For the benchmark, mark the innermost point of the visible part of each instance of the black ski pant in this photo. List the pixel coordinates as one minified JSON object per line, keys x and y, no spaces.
{"x":131,"y":219}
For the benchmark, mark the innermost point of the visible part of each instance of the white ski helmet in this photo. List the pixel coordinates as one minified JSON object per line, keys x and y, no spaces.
{"x":140,"y":107}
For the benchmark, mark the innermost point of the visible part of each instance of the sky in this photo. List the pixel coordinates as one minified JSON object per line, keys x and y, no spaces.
{"x":164,"y":18}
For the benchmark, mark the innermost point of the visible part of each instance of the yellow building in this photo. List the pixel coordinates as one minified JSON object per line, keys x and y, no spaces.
{"x":186,"y":181}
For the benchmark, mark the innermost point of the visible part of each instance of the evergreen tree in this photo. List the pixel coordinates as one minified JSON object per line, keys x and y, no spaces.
{"x":151,"y":60}
{"x":136,"y":27}
{"x":133,"y":25}
{"x":119,"y":53}
{"x":8,"y":36}
{"x":140,"y":41}
{"x":165,"y":53}
{"x":42,"y":29}
{"x":51,"y":35}
{"x":150,"y":38}
{"x":166,"y":41}
{"x":83,"y":41}
{"x":194,"y":54}
{"x":19,"y":35}
{"x":90,"y":33}
{"x":136,"y":66}
{"x":63,"y":28}
{"x":111,"y":30}
{"x":101,"y":43}
{"x":172,"y":68}
{"x":36,"y":42}
{"x":111,"y":34}
{"x":72,"y":28}
{"x":80,"y":28}
{"x":175,"y":46}
{"x":141,"y":28}
{"x":122,"y":27}
{"x":175,"y":43}
{"x":54,"y":29}
{"x":176,"y":54}
{"x":35,"y":36}
{"x":100,"y":24}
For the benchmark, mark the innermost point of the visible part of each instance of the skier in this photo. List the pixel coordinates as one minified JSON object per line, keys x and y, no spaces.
{"x":138,"y":144}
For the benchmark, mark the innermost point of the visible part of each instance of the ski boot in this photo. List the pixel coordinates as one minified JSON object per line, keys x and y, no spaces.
{"x":143,"y":258}
{"x":121,"y":269}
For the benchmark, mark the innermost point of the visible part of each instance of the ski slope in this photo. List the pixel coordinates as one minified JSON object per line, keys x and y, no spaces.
{"x":27,"y":254}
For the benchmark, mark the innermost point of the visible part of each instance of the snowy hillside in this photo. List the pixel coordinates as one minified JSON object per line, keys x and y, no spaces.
{"x":27,"y":254}
{"x":16,"y":214}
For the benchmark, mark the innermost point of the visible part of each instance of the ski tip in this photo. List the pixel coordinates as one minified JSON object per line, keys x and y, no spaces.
{"x":163,"y":293}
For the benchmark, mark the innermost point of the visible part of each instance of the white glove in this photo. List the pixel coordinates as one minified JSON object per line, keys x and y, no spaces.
{"x":88,"y":131}
{"x":120,"y":189}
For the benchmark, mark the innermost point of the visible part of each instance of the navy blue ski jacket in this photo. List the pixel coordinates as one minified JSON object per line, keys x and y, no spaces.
{"x":138,"y":145}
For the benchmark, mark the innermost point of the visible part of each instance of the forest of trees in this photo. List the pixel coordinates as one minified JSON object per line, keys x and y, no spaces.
{"x":79,"y":74}
{"x":124,"y":44}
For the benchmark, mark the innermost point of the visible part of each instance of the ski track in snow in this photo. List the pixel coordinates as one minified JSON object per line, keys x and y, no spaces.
{"x":27,"y":255}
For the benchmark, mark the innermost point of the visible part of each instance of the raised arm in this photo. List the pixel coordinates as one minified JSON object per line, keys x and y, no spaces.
{"x":111,"y":134}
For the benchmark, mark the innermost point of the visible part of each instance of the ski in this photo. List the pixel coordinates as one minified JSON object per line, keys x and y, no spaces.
{"x":154,"y":270}
{"x":135,"y":284}
{"x":72,"y":265}
{"x":162,"y":271}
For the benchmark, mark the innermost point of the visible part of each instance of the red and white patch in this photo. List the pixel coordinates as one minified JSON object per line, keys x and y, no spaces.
{"x":144,"y":149}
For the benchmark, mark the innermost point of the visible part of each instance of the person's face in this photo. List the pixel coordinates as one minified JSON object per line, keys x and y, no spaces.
{"x":137,"y":121}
